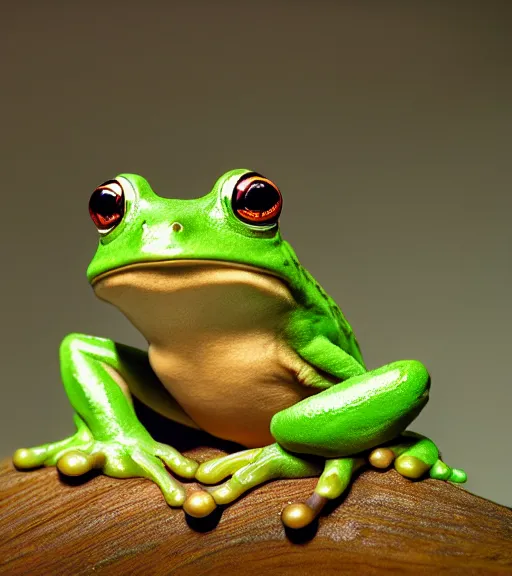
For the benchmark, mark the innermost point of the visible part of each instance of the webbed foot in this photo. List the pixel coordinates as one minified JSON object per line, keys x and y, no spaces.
{"x":120,"y":457}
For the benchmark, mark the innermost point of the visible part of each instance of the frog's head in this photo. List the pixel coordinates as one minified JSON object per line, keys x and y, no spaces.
{"x":236,"y":223}
{"x":229,"y":237}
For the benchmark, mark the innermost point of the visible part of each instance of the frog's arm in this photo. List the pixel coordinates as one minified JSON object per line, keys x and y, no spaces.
{"x":98,"y":375}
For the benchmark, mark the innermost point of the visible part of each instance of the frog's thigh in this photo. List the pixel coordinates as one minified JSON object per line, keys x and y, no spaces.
{"x":128,"y":367}
{"x":356,"y":414}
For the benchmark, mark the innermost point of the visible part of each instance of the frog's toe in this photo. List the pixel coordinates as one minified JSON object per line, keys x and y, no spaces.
{"x":151,"y":467}
{"x":199,"y":504}
{"x":300,"y":514}
{"x":233,"y":488}
{"x":381,"y":457}
{"x":411,"y":467}
{"x":458,"y":475}
{"x":217,"y":469}
{"x":332,"y":483}
{"x":26,"y":458}
{"x":441,"y":471}
{"x":175,"y":461}
{"x":76,"y":462}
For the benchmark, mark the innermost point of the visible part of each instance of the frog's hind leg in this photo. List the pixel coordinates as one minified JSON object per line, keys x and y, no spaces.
{"x":413,"y":456}
{"x":335,"y":424}
{"x":338,"y":425}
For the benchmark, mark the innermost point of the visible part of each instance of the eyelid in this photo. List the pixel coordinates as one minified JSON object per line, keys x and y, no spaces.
{"x":247,"y":181}
{"x":113,"y":186}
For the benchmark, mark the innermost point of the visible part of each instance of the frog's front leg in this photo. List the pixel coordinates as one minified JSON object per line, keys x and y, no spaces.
{"x":338,"y":425}
{"x":98,"y":375}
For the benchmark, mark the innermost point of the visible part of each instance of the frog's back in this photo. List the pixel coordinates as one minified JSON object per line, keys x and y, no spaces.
{"x":346,"y":337}
{"x":310,"y":294}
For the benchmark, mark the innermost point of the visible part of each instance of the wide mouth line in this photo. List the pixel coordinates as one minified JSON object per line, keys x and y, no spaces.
{"x":184,"y":262}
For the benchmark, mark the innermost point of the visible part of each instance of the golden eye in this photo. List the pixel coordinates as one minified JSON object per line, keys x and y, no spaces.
{"x":256,"y":200}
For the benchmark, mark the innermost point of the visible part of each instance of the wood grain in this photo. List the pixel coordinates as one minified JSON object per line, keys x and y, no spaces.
{"x":386,"y":524}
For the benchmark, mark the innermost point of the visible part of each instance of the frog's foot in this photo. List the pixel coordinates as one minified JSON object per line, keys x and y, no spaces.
{"x":247,"y":469}
{"x":413,"y":456}
{"x":119,"y":457}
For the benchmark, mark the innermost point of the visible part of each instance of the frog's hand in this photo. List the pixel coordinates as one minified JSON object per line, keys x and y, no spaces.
{"x":98,"y":375}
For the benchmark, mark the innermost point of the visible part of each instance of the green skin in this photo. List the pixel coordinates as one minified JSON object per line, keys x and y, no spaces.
{"x":349,"y":411}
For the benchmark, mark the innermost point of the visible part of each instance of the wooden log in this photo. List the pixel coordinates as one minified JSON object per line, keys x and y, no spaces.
{"x":100,"y":525}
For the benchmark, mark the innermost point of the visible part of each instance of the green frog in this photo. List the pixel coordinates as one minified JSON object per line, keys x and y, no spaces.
{"x":243,"y":343}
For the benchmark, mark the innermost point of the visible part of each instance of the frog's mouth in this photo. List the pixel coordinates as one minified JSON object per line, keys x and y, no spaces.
{"x":185,"y":263}
{"x":199,"y":296}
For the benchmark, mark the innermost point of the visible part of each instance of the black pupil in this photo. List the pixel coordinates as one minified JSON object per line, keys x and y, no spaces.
{"x":260,"y":197}
{"x":105,"y":203}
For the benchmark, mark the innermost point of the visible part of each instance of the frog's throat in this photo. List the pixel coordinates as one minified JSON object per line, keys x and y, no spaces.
{"x":188,"y":262}
{"x":125,"y":286}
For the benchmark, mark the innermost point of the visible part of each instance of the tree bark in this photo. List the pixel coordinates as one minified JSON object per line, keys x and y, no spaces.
{"x":384,"y":524}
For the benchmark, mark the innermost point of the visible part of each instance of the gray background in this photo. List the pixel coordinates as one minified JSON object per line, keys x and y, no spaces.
{"x":386,"y":124}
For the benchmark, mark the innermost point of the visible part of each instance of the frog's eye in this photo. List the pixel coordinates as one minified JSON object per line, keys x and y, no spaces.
{"x":106,"y":205}
{"x":256,"y":200}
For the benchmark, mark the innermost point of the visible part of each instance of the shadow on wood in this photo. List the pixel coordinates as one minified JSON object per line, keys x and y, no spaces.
{"x":100,"y":525}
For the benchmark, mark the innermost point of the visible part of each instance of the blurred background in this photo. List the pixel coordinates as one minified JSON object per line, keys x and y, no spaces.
{"x":386,"y":125}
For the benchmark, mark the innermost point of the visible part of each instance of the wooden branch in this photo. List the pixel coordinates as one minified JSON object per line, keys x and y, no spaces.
{"x":100,"y":525}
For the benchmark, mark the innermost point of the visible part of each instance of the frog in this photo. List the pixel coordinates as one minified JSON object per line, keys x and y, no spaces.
{"x":243,"y":343}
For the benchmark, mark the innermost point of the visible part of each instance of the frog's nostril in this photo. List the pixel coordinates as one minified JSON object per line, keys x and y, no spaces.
{"x":176,"y":227}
